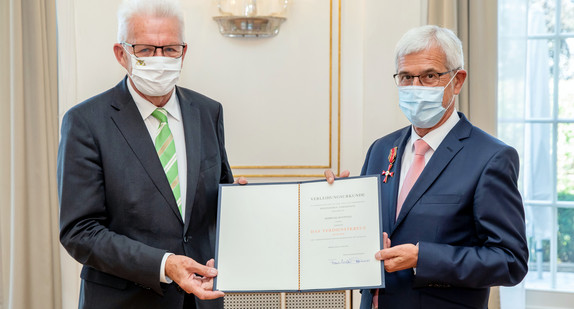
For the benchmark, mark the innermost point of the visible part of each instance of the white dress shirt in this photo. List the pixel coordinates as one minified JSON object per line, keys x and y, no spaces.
{"x":175,"y":123}
{"x":433,"y":139}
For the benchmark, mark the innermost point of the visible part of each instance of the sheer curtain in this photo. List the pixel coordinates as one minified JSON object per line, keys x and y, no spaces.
{"x":67,"y":96}
{"x":29,"y":131}
{"x":4,"y":155}
{"x":523,"y":93}
{"x":475,"y":23}
{"x":512,"y":51}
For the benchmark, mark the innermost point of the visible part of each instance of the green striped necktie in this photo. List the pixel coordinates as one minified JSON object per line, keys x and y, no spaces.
{"x":165,"y":147}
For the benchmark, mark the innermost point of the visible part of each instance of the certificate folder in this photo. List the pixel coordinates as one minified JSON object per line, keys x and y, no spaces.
{"x":299,"y":236}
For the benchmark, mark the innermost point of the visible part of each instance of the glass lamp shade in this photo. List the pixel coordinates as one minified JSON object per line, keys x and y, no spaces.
{"x":251,"y":18}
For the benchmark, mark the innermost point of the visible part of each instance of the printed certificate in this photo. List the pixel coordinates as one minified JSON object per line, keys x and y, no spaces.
{"x":305,"y":236}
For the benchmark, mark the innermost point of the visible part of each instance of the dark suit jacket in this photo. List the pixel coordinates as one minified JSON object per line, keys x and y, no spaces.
{"x":118,"y":215}
{"x":466,"y":214}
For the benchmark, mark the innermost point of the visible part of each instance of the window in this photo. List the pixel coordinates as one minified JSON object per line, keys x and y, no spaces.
{"x":536,"y":116}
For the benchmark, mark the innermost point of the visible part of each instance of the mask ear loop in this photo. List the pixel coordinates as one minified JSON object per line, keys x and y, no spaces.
{"x":451,"y":79}
{"x":130,"y":59}
{"x":454,"y":95}
{"x":451,"y":102}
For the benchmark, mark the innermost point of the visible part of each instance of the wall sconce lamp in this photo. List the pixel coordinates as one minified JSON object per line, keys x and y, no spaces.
{"x":251,"y":18}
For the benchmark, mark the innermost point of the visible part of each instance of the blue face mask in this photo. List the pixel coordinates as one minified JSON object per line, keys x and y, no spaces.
{"x":423,"y":105}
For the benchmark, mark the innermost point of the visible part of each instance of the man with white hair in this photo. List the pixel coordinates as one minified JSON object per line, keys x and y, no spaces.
{"x":138,"y":172}
{"x":450,"y":201}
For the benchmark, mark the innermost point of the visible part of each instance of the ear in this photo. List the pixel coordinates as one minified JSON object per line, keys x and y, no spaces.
{"x":121,"y":55}
{"x":459,"y":81}
{"x":183,"y":55}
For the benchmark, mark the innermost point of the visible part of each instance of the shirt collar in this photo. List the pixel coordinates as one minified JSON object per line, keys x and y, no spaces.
{"x":436,"y":136}
{"x":145,"y":107}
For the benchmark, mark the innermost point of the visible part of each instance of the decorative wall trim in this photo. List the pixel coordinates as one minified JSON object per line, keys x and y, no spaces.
{"x":242,"y":168}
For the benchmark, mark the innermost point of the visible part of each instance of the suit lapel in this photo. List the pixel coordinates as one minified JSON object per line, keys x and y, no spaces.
{"x":393,"y":195}
{"x":446,"y":151}
{"x":192,"y":132}
{"x":131,"y":125}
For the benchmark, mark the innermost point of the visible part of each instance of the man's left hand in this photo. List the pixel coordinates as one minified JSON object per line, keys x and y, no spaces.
{"x":241,"y":180}
{"x":330,"y":176}
{"x":399,"y":257}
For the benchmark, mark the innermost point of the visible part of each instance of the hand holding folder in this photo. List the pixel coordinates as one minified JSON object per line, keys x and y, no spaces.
{"x":303,"y":236}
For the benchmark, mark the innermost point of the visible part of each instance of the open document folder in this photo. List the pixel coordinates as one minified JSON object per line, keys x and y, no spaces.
{"x":303,"y":236}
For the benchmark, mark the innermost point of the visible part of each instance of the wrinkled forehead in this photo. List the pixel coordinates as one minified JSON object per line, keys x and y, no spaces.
{"x":426,"y":60}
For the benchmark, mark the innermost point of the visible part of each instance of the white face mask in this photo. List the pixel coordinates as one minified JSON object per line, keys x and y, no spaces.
{"x":155,"y":76}
{"x":423,"y":105}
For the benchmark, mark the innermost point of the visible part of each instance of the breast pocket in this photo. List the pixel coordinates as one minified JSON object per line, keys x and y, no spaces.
{"x":441,"y":199}
{"x":452,"y":216}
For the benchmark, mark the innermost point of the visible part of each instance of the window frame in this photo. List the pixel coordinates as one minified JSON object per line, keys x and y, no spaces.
{"x":554,"y":121}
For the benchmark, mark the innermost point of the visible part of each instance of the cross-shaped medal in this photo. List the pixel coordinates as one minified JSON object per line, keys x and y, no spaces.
{"x":388,"y":173}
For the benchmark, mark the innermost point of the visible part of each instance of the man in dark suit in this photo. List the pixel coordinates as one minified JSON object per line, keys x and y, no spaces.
{"x":138,"y":173}
{"x":459,"y":229}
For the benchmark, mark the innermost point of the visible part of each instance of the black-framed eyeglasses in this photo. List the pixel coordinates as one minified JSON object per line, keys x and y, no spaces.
{"x":429,"y":79}
{"x":147,"y":50}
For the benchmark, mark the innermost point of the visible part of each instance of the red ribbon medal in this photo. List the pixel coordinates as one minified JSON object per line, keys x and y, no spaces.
{"x":392,"y":157}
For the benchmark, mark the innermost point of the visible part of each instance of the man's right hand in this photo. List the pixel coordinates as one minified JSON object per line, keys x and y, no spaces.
{"x":184,"y":271}
{"x":330,"y":176}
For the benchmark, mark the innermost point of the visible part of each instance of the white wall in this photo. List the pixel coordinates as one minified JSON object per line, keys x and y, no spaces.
{"x":290,"y":72}
{"x":275,"y":91}
{"x":385,"y":23}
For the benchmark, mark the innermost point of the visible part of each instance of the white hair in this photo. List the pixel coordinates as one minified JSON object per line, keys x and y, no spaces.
{"x":426,"y":37}
{"x":153,"y":8}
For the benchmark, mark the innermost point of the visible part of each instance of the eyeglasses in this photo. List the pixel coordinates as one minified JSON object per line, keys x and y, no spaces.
{"x":430,"y":79}
{"x":146,"y":50}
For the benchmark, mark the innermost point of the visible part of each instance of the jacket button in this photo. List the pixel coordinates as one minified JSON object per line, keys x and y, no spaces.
{"x":185,"y":239}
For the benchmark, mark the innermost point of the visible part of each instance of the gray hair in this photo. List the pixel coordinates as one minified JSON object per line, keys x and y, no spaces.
{"x":153,"y":8}
{"x":426,"y":37}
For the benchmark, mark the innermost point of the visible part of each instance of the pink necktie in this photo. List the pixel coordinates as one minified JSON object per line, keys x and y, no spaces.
{"x":421,"y":147}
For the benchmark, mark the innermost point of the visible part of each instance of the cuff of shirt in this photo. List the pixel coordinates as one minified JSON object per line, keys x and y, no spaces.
{"x":162,"y":277}
{"x":415,"y":268}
